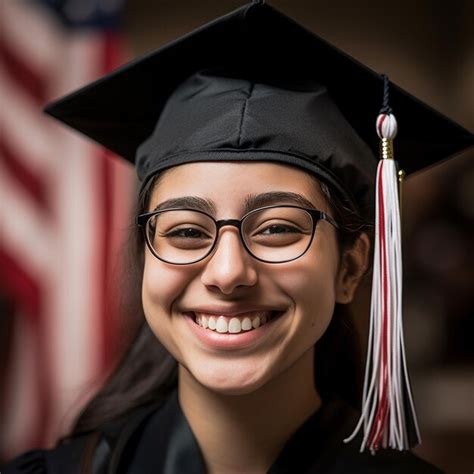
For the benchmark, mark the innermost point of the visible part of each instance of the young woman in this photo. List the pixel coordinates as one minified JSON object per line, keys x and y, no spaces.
{"x":254,"y":229}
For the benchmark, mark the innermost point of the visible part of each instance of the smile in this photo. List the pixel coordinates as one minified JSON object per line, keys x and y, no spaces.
{"x":226,"y":340}
{"x":234,"y":325}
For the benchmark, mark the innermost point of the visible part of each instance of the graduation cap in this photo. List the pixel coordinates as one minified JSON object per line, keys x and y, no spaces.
{"x":255,"y":85}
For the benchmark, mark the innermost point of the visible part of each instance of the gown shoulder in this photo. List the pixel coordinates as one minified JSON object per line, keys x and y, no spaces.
{"x":318,"y":447}
{"x":387,"y":461}
{"x":63,"y":459}
{"x":67,"y":457}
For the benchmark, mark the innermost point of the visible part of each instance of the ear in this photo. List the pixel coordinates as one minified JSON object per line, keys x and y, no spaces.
{"x":353,"y":265}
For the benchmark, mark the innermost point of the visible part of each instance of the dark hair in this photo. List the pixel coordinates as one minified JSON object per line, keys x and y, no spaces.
{"x":147,"y":373}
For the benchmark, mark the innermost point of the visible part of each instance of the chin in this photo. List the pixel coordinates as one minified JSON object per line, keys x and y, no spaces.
{"x":238,"y":383}
{"x":232,"y":390}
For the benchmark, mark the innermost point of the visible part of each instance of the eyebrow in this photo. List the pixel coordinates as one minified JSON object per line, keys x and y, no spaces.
{"x":252,"y":201}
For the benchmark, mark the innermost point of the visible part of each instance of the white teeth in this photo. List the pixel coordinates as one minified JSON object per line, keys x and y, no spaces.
{"x":234,"y":325}
{"x":246,"y":324}
{"x":222,"y":324}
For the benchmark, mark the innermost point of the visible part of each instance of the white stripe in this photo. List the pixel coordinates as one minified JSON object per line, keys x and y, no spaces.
{"x":26,"y":234}
{"x":25,"y":129}
{"x":38,"y":40}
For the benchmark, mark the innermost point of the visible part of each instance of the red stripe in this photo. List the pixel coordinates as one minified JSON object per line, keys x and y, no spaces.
{"x":19,"y":284}
{"x":29,"y":181}
{"x":112,"y":52}
{"x":27,"y":294}
{"x":108,"y":327}
{"x":111,"y":58}
{"x":23,"y":75}
{"x":380,"y":124}
{"x":384,"y":394}
{"x":381,"y":417}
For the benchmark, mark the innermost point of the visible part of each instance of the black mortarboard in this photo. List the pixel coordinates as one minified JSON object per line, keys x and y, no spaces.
{"x":255,"y":85}
{"x":251,"y":85}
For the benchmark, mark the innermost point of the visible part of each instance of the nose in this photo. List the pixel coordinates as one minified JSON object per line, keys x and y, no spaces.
{"x":230,"y":265}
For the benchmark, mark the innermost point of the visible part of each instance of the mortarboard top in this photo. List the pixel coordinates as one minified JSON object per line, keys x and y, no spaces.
{"x":242,"y":58}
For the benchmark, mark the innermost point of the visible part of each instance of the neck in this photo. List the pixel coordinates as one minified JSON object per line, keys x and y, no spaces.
{"x":246,"y":433}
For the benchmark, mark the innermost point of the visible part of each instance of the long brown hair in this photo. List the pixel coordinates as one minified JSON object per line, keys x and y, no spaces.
{"x":147,"y":373}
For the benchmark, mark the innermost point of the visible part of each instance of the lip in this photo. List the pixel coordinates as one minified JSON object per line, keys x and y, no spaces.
{"x":228,"y":341}
{"x":231,"y":311}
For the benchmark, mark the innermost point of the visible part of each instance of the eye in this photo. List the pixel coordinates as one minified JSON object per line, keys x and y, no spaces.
{"x":187,"y":233}
{"x":277,"y":227}
{"x":280,"y":229}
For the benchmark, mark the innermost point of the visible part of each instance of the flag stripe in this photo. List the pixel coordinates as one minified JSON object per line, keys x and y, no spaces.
{"x":25,"y":129}
{"x":23,"y":74}
{"x":23,"y":175}
{"x":27,"y":236}
{"x":28,"y":295}
{"x":19,"y":284}
{"x":34,"y":35}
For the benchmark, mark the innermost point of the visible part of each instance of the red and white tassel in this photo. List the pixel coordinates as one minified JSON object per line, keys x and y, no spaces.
{"x":388,"y":416}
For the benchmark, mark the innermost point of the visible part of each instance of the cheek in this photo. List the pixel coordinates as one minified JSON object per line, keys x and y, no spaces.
{"x":162,"y":285}
{"x":313,"y":293}
{"x":311,"y":283}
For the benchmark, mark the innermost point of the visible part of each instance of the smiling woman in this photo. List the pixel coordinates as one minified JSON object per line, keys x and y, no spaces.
{"x":254,"y":227}
{"x":279,"y":360}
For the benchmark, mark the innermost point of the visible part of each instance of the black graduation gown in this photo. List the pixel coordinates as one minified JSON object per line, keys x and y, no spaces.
{"x":159,"y":441}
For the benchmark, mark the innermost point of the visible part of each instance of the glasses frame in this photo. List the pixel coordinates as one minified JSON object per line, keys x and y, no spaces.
{"x":315,"y":214}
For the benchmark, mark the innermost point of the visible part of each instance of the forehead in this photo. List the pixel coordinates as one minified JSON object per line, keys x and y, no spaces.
{"x":230,"y":186}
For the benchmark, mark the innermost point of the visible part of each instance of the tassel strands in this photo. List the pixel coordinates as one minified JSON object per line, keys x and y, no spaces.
{"x":388,"y":415}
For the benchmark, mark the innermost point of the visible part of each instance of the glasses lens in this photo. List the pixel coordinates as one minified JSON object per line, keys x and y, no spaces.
{"x":181,"y":236}
{"x":278,"y":234}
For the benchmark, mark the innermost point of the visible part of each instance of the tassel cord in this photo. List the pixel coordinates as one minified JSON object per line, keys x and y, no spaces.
{"x":401,"y":383}
{"x":383,"y":416}
{"x":382,"y":408}
{"x":371,"y":388}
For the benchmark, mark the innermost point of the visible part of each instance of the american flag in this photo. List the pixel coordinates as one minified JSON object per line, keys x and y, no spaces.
{"x":63,"y":209}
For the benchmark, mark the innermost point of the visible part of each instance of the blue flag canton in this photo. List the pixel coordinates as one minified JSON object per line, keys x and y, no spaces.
{"x":100,"y":14}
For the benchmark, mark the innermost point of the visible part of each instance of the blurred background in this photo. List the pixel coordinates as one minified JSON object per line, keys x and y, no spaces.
{"x":65,"y":203}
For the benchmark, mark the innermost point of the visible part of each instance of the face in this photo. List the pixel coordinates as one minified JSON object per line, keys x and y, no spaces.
{"x":305,"y":289}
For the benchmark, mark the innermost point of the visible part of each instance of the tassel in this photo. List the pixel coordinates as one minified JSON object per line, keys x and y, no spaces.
{"x":388,"y":415}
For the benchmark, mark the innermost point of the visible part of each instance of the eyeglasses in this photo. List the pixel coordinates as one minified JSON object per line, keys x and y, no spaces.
{"x":271,"y":234}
